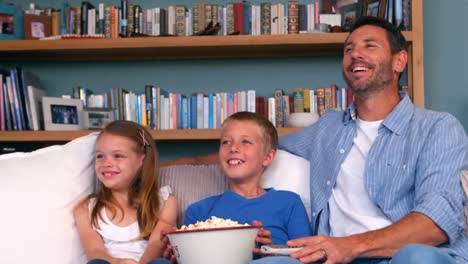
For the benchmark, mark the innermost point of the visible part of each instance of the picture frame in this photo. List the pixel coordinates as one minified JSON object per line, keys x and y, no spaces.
{"x":36,"y":26}
{"x":62,"y":113}
{"x":349,"y":14}
{"x":97,"y":118}
{"x":372,"y":8}
{"x":11,"y":22}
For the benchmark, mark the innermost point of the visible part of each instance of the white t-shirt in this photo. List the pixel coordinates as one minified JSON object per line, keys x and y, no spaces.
{"x":351,"y":210}
{"x":120,"y":242}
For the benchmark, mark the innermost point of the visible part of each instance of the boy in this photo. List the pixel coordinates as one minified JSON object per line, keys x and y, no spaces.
{"x":247,"y":147}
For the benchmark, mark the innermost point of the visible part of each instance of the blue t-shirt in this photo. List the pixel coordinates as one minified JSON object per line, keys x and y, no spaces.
{"x":280,"y":212}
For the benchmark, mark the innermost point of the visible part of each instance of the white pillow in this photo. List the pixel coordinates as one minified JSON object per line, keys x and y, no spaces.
{"x":291,"y":173}
{"x":38,"y":191}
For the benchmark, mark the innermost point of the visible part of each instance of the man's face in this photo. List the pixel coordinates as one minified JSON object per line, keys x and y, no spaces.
{"x":368,"y":61}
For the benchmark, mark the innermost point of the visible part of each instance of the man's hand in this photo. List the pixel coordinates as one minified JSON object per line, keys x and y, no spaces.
{"x":263,"y":236}
{"x":168,"y":252}
{"x":323,"y":248}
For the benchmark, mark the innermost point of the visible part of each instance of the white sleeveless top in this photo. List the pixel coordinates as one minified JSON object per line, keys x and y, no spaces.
{"x":120,"y":242}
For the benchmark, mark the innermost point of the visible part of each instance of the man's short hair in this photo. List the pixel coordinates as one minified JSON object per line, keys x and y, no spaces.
{"x":394,"y":35}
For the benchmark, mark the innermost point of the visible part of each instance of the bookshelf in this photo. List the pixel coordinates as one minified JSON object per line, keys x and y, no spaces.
{"x":159,"y":48}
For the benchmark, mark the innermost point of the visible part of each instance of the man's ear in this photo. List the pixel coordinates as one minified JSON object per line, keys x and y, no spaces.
{"x":400,"y":60}
{"x":269,"y":157}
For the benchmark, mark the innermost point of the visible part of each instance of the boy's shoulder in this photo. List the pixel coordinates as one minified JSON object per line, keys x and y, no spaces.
{"x":283,"y":194}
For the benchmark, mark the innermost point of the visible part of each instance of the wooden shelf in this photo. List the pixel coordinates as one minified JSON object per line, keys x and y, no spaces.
{"x":151,"y":48}
{"x":172,"y":134}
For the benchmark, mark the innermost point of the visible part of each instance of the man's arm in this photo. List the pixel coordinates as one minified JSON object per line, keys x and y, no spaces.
{"x":385,"y":242}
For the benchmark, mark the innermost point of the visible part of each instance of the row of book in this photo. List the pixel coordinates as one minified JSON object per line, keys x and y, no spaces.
{"x":20,"y":100}
{"x":129,"y":19}
{"x":160,"y":109}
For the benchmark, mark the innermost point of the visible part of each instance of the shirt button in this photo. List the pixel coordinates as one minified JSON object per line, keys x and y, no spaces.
{"x":328,"y":182}
{"x":341,"y":151}
{"x":313,"y":214}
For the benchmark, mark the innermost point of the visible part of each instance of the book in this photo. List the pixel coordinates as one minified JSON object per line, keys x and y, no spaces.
{"x":293,"y":17}
{"x":298,"y":95}
{"x":279,"y":117}
{"x":35,"y":95}
{"x":85,"y":6}
{"x":321,"y":100}
{"x":28,"y":79}
{"x":265,"y":18}
{"x":149,"y":106}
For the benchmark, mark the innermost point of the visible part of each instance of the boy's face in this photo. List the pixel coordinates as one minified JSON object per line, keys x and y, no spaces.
{"x":242,"y":151}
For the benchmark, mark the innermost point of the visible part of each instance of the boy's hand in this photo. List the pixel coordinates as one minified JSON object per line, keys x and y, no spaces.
{"x":168,"y":252}
{"x":263,"y":236}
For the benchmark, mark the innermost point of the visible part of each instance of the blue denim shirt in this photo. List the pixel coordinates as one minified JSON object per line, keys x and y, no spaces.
{"x":414,"y":165}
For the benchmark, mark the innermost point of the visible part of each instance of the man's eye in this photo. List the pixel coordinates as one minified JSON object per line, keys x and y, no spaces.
{"x":246,"y":142}
{"x":225,"y":142}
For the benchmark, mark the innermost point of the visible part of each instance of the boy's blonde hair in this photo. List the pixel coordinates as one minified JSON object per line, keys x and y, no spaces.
{"x":144,"y":191}
{"x":269,"y":133}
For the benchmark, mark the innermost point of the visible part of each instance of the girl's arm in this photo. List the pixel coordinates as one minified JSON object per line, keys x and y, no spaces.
{"x":167,"y":220}
{"x":90,"y":239}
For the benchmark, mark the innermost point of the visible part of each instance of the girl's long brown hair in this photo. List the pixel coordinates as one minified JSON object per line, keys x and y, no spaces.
{"x":144,"y":191}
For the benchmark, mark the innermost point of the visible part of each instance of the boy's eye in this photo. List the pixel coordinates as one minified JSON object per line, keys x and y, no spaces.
{"x":99,"y":156}
{"x":225,"y":142}
{"x":118,"y":156}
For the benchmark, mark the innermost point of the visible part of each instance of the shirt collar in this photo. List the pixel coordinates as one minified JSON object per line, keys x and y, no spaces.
{"x":395,"y":121}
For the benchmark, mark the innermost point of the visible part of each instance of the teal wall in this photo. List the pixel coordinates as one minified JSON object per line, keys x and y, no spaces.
{"x":446,"y":58}
{"x":446,"y":86}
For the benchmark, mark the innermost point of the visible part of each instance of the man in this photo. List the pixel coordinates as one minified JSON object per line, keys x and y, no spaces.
{"x":385,"y":175}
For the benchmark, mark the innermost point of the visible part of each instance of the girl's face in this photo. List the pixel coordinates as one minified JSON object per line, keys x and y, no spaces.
{"x":242,"y":151}
{"x":117,"y":162}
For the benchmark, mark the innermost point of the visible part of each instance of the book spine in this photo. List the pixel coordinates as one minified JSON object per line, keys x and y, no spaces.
{"x":230,"y":18}
{"x":279,"y":118}
{"x":321,"y":100}
{"x":298,"y":96}
{"x":137,"y":19}
{"x":123,"y":17}
{"x":293,"y":17}
{"x":265,"y":18}
{"x":180,"y":20}
{"x":239,"y":18}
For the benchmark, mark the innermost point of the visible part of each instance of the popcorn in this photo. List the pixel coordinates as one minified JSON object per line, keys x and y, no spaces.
{"x":214,"y":222}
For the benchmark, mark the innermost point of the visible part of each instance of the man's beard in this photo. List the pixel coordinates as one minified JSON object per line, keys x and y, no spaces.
{"x":377,"y":82}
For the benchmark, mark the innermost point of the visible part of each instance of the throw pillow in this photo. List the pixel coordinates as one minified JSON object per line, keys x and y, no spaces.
{"x":38,"y":191}
{"x":290,"y":173}
{"x":191,"y":183}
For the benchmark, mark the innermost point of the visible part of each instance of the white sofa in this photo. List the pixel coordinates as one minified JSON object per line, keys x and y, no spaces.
{"x":39,"y":189}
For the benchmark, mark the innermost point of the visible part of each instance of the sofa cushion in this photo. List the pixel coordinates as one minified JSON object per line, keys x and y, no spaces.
{"x":38,"y":191}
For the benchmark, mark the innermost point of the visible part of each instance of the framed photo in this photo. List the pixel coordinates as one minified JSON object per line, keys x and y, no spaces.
{"x":373,"y":8}
{"x":36,"y":26}
{"x":11,"y":22}
{"x":97,"y":118}
{"x":349,"y":14}
{"x":62,"y":113}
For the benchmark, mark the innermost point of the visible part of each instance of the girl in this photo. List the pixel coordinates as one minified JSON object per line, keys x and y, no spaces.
{"x":122,"y":221}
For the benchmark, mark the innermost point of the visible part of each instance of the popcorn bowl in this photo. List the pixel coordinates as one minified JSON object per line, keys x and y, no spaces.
{"x":227,"y":245}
